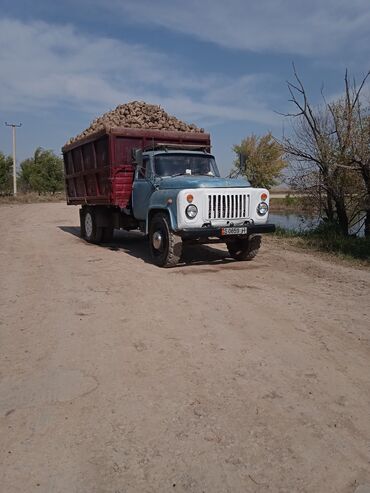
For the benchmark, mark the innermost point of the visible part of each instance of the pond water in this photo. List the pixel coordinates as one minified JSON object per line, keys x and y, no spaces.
{"x":300,"y":221}
{"x":291,"y":220}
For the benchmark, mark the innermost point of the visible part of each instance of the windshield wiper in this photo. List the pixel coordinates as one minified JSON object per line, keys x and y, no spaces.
{"x":193,"y":174}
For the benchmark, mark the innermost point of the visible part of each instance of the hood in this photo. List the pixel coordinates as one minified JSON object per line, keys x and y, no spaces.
{"x":188,"y":181}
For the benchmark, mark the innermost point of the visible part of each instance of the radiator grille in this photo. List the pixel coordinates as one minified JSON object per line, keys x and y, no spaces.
{"x":228,"y":206}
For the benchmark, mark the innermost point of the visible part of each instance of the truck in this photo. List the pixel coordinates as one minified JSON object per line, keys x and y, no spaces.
{"x":165,"y":184}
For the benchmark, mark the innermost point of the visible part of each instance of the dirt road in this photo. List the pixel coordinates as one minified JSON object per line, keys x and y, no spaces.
{"x":216,"y":376}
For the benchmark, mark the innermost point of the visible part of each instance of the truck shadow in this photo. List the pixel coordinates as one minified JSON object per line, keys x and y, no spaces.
{"x":136,"y":245}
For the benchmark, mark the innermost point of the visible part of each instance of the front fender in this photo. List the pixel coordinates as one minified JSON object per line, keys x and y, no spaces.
{"x":163,"y":200}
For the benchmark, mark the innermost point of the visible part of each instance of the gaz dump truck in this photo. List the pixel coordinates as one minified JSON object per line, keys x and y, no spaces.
{"x":165,"y":184}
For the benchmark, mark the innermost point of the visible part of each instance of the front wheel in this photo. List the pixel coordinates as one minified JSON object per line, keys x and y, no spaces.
{"x":165,"y":246}
{"x":244,"y":249}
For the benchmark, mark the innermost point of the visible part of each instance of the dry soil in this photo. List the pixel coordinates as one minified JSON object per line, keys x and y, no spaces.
{"x":215,"y":376}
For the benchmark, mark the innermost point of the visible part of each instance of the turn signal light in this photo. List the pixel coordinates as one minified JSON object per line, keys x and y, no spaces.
{"x":189,"y":198}
{"x":263,"y":196}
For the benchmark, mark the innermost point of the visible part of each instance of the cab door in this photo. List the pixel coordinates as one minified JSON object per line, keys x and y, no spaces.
{"x":142,"y":190}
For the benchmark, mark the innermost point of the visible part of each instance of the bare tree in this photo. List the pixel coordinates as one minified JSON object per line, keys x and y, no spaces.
{"x":329,"y":150}
{"x":351,"y":120}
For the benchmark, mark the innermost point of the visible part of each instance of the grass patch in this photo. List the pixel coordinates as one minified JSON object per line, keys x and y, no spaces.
{"x":32,"y":198}
{"x":327,"y":238}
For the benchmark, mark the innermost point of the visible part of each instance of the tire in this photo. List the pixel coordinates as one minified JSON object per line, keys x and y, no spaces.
{"x":165,"y":247}
{"x":82,"y":223}
{"x":92,"y":233}
{"x":245,"y":249}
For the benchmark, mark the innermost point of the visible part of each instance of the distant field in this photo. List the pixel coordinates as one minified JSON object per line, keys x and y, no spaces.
{"x":289,"y":203}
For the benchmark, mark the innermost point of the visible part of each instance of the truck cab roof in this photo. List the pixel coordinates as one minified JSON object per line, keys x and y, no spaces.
{"x":157,"y":152}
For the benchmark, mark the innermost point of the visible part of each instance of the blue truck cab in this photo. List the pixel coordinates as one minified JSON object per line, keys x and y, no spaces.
{"x":179,"y":197}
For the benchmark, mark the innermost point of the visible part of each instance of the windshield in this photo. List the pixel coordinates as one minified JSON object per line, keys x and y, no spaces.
{"x":182,"y":164}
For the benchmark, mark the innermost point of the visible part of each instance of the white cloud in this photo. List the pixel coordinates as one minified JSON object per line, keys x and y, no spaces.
{"x":46,"y":66}
{"x":315,"y":27}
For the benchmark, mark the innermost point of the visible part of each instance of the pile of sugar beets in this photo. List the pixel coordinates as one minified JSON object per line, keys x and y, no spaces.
{"x":137,"y":114}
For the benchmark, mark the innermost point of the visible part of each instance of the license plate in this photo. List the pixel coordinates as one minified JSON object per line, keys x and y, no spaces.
{"x":234,"y":231}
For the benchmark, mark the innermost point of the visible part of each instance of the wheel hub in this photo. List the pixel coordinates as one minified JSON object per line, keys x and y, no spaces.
{"x":157,"y":240}
{"x":88,"y":225}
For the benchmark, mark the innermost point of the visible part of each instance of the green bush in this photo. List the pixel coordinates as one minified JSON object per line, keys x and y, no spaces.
{"x":6,"y":174}
{"x":327,"y":237}
{"x":290,"y":201}
{"x":43,"y":173}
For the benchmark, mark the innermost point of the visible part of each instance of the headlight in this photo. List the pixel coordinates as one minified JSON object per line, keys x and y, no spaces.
{"x":262,"y":208}
{"x":191,"y":211}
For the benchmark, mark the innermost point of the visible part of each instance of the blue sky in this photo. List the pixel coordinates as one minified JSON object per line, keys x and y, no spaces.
{"x":222,"y":65}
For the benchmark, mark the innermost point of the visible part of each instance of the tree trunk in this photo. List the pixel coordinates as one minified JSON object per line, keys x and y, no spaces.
{"x":367,"y":224}
{"x":366,"y":178}
{"x":342,"y":216}
{"x":329,"y":210}
{"x":329,"y":196}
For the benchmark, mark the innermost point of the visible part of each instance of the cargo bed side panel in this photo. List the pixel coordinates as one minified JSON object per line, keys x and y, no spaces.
{"x":87,"y":173}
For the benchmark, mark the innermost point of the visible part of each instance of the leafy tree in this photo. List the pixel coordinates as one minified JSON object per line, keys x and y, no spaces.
{"x":260,"y":159}
{"x":43,"y":173}
{"x":6,"y":171}
{"x":25,"y":173}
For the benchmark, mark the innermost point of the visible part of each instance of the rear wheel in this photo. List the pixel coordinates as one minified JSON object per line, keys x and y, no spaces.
{"x":165,"y":246}
{"x":82,"y":223}
{"x":89,"y":228}
{"x":244,"y":249}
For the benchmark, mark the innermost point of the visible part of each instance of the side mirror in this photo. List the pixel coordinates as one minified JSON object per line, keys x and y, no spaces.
{"x":138,"y":157}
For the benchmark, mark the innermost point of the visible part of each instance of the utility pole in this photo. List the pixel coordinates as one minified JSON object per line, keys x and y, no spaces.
{"x":14,"y":126}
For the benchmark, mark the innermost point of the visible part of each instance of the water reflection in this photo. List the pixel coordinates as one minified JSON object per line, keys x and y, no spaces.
{"x":289,"y":220}
{"x":303,"y":221}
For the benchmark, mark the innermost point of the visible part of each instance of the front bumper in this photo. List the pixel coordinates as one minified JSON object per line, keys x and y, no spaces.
{"x":210,"y":232}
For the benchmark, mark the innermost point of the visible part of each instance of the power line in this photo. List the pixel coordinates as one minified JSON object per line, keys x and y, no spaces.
{"x":14,"y":126}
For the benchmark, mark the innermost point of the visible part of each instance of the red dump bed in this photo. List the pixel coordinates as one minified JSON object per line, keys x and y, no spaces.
{"x":99,"y":168}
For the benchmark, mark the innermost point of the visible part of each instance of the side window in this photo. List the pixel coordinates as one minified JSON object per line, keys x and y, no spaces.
{"x":142,"y":171}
